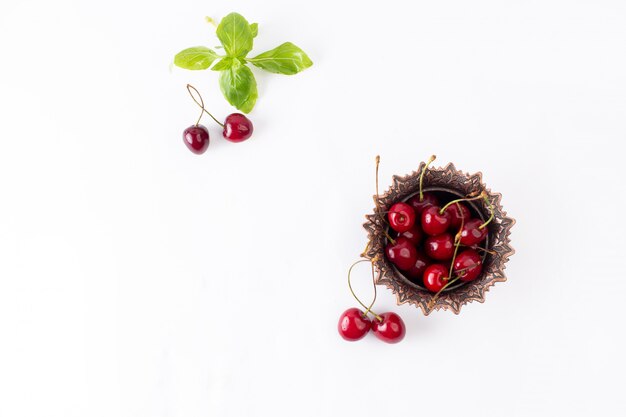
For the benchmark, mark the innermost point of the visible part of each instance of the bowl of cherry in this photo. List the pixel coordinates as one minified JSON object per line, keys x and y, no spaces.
{"x":438,"y":238}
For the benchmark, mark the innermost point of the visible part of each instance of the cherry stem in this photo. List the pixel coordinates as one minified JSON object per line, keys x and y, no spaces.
{"x":200,"y":104}
{"x":377,"y":203}
{"x":432,"y":301}
{"x":490,"y":252}
{"x":367,"y":309}
{"x":457,"y":241}
{"x":430,"y":160}
{"x":392,"y":240}
{"x":459,"y":200}
{"x":482,"y":226}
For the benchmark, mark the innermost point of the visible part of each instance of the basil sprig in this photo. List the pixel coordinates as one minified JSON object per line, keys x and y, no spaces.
{"x":237,"y":81}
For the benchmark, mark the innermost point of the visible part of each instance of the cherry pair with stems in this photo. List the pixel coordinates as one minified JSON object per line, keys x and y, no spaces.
{"x":236,"y":127}
{"x":354,"y":324}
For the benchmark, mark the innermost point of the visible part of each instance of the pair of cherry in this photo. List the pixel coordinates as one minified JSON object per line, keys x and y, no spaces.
{"x":236,"y":128}
{"x":354,"y":324}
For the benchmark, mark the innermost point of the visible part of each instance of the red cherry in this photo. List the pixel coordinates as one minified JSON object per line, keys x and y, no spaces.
{"x":401,"y":217}
{"x":353,"y":324}
{"x":433,"y":222}
{"x":472,"y":233}
{"x":417,"y":270}
{"x":440,"y":247}
{"x":413,"y":235}
{"x":402,"y":254}
{"x":469,"y":264}
{"x":237,"y":128}
{"x":196,"y":138}
{"x":435,"y":277}
{"x":391,"y":329}
{"x":458,"y":215}
{"x":419,"y":205}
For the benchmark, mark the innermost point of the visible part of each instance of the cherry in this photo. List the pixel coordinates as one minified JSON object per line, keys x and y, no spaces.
{"x":417,"y":270}
{"x":196,"y":137}
{"x":418,"y":205}
{"x":353,"y":324}
{"x":467,"y":265}
{"x":237,"y":127}
{"x":413,"y":235}
{"x":390,"y":328}
{"x":402,"y":254}
{"x":458,"y":215}
{"x":440,"y":247}
{"x":435,"y":277}
{"x":434,"y":222}
{"x":401,"y":217}
{"x":472,"y":232}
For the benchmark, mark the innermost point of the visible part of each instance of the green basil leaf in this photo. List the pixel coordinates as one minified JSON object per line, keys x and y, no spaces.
{"x":239,"y":87}
{"x":196,"y":58}
{"x":235,"y":34}
{"x":284,"y":59}
{"x":226,"y":63}
{"x":254,"y":28}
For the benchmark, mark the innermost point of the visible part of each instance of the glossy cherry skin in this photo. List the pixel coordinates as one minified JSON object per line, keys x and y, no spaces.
{"x":401,"y":217}
{"x":403,"y":254}
{"x":419,"y":205}
{"x":457,"y":216}
{"x":391,"y":329}
{"x":353,"y":325}
{"x":435,"y":277}
{"x":416,"y":272}
{"x":413,"y":235}
{"x":467,"y":265}
{"x":472,"y":234}
{"x":433,"y":222}
{"x":196,"y":138}
{"x":440,"y":247}
{"x":237,"y":128}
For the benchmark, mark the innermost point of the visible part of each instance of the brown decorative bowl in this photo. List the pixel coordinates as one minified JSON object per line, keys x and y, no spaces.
{"x":451,"y":183}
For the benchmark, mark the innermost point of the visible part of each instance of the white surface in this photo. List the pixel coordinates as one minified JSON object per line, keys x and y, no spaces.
{"x":137,"y":279}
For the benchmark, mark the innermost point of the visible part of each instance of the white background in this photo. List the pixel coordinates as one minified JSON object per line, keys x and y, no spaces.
{"x":138,"y":279}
